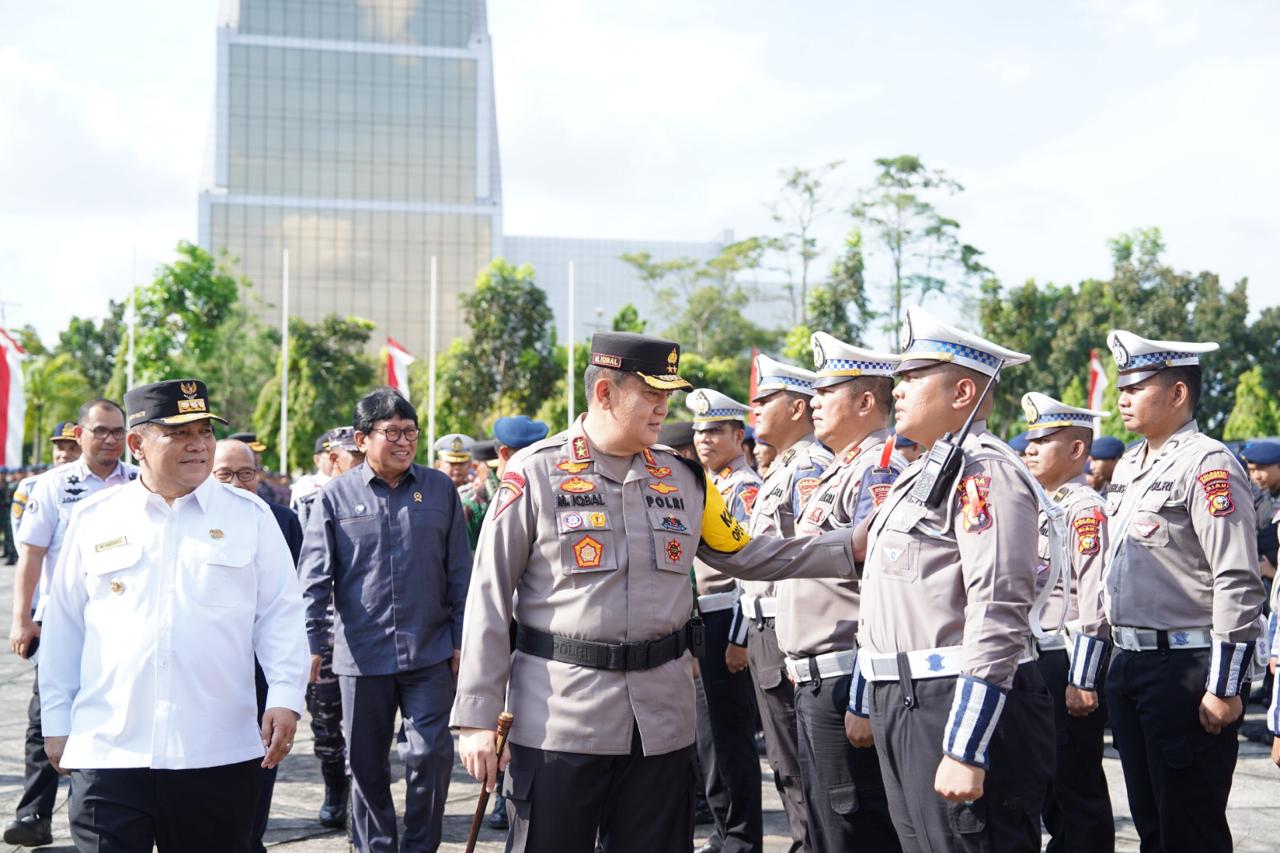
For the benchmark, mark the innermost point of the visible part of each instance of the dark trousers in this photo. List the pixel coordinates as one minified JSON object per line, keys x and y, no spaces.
{"x":775,"y":698}
{"x":324,"y":702}
{"x":1077,"y":811}
{"x":128,"y":810}
{"x":843,"y":791}
{"x":561,"y":802}
{"x":1006,"y":818}
{"x":40,"y":785}
{"x":727,"y":745}
{"x":1178,"y":776}
{"x":262,"y":811}
{"x":369,"y":704}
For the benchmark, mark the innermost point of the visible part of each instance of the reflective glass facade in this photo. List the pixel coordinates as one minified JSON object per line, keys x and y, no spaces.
{"x":360,"y":135}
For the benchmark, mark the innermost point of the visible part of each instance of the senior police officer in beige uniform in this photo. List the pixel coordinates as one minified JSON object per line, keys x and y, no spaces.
{"x":726,"y":706}
{"x":594,"y":535}
{"x":961,"y":718}
{"x":1183,"y":595}
{"x":1077,"y":812}
{"x":817,"y":618}
{"x":782,"y":405}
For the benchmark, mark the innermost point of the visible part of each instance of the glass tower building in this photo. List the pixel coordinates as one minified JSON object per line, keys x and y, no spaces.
{"x":361,"y":136}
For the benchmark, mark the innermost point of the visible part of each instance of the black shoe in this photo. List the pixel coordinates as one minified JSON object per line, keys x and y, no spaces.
{"x":333,"y":813}
{"x":498,"y":817}
{"x":29,"y":831}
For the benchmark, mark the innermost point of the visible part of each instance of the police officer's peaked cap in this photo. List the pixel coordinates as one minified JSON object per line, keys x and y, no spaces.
{"x":654,"y":360}
{"x":1264,"y":451}
{"x":454,"y":447}
{"x":173,"y":402}
{"x":926,"y":340}
{"x":1106,"y":447}
{"x":676,"y":434}
{"x":838,"y":362}
{"x":341,"y":438}
{"x":773,"y":376}
{"x":1140,"y":358}
{"x":322,"y":443}
{"x":711,"y":408}
{"x":64,"y":431}
{"x":248,"y":438}
{"x":1045,"y":415}
{"x":519,"y":431}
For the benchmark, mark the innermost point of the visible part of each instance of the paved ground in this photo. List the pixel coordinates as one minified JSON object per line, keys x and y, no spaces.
{"x":1255,"y":818}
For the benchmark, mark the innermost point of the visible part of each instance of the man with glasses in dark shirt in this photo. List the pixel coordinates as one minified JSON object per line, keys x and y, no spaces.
{"x":387,"y":543}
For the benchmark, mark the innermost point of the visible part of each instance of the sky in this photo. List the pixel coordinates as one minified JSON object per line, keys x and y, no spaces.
{"x":1067,"y":123}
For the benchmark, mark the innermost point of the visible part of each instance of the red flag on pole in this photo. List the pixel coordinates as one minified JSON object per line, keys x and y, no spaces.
{"x":13,"y":408}
{"x":398,"y":361}
{"x":1097,"y":384}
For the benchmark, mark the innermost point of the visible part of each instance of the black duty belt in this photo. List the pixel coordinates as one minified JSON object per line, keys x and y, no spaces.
{"x":618,"y":657}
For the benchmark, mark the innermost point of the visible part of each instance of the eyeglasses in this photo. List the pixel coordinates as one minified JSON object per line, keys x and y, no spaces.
{"x":103,"y":433}
{"x":394,"y":433}
{"x":244,"y":475}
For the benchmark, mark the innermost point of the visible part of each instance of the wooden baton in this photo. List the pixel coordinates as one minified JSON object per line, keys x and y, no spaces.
{"x":500,"y":743}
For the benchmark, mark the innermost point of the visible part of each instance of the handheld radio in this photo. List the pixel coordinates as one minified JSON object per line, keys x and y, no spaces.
{"x":946,"y":457}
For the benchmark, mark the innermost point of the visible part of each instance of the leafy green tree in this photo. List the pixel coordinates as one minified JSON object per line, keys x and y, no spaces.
{"x":925,"y":252}
{"x":840,"y":307}
{"x":796,"y":347}
{"x":92,"y":344}
{"x":726,"y":374}
{"x":804,"y":199}
{"x":1255,"y":413}
{"x":628,"y":320}
{"x":54,"y":388}
{"x":553,"y":409}
{"x":329,"y":370}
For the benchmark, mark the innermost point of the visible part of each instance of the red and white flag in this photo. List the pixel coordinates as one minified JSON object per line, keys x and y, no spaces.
{"x":13,"y":404}
{"x":1097,"y":384}
{"x":398,"y":361}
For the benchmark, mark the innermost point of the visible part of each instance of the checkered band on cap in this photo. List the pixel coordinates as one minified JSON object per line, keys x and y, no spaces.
{"x":1061,"y":419}
{"x":926,"y":348}
{"x":1161,"y":359}
{"x":789,"y":381}
{"x":840,"y":365}
{"x":713,"y":414}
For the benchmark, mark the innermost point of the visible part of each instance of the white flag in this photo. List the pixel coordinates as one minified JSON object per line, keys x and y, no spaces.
{"x":398,"y":361}
{"x":13,"y":404}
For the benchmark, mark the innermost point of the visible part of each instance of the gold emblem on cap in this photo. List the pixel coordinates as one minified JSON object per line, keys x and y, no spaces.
{"x":673,"y":360}
{"x":456,"y":446}
{"x":117,"y":586}
{"x":817,"y":353}
{"x":189,"y":389}
{"x":1030,"y":411}
{"x":699,"y":403}
{"x":215,"y":533}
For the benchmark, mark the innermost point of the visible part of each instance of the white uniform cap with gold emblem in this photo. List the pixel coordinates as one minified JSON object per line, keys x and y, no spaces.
{"x":454,"y":447}
{"x":711,"y":408}
{"x":1140,"y":358}
{"x":1046,"y":415}
{"x":927,"y":339}
{"x":773,"y":376}
{"x":838,"y":362}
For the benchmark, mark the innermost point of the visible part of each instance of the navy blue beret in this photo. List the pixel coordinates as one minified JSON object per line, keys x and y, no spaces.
{"x":1019,"y":443}
{"x":519,"y":431}
{"x":1262,"y":452}
{"x":1106,"y":447}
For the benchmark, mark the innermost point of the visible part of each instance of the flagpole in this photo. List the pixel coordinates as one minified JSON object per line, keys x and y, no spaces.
{"x":568,"y":381}
{"x":431,"y":366}
{"x":133,"y":320}
{"x":284,"y":364}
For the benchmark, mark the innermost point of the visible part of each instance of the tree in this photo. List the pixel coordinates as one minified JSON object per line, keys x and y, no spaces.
{"x":329,"y":371}
{"x":508,"y":365}
{"x":628,"y":320}
{"x":925,"y":253}
{"x":803,"y":201}
{"x":840,"y":307}
{"x":54,"y":389}
{"x":92,"y":345}
{"x":1255,"y":413}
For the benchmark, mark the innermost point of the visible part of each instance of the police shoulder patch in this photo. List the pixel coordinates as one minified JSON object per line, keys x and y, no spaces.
{"x":1216,"y":484}
{"x":1086,"y":527}
{"x":748,"y":496}
{"x":975,"y":513}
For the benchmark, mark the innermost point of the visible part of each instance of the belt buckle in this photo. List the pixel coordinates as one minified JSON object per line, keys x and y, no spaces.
{"x":1126,"y":638}
{"x":616,"y":656}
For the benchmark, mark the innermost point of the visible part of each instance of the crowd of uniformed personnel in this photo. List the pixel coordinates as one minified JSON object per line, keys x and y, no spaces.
{"x":932,"y":628}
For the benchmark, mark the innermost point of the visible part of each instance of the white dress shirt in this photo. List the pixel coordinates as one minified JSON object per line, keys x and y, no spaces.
{"x":48,"y":511}
{"x":152,"y":625}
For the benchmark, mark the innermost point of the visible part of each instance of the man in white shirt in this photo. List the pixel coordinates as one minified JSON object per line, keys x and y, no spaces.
{"x":165,"y":590}
{"x":98,"y":438}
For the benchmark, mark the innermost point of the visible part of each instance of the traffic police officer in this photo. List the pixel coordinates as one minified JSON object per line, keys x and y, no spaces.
{"x":843,"y":791}
{"x":1077,"y":812}
{"x":594,"y":535}
{"x":726,"y":708}
{"x":784,"y":419}
{"x":1183,"y":597}
{"x":961,"y":719}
